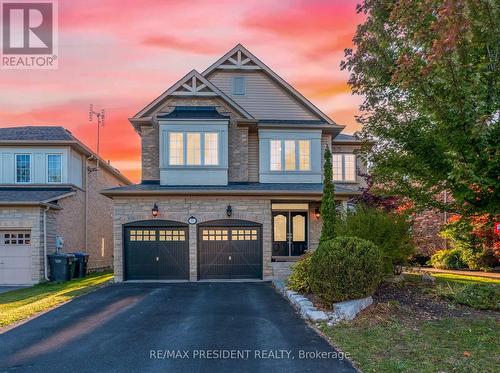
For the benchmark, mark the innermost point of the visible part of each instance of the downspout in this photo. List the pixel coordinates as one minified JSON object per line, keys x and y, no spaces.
{"x":45,"y":269}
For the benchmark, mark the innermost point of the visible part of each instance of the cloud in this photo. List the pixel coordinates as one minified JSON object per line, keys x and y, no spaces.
{"x":186,"y":45}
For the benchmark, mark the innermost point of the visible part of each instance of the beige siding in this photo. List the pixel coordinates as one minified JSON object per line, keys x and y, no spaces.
{"x":264,"y":98}
{"x":253,"y":156}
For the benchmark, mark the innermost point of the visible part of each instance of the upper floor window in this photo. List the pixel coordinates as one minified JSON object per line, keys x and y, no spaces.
{"x":54,"y":168}
{"x":193,"y":148}
{"x":344,"y":167}
{"x":176,"y":148}
{"x":239,"y":85}
{"x":23,"y":168}
{"x":296,"y":155}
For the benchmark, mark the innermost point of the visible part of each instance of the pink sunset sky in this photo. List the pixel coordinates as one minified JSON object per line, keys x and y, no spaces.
{"x":121,"y":54}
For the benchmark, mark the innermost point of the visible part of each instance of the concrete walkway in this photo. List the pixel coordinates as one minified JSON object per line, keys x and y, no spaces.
{"x":494,"y":275}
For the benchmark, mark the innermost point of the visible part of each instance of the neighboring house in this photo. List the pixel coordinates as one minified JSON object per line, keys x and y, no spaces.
{"x":231,"y":177}
{"x":50,"y":187}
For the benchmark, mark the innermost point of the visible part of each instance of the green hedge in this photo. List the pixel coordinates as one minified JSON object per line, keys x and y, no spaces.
{"x":448,"y":259}
{"x":299,"y":280}
{"x":346,"y":268}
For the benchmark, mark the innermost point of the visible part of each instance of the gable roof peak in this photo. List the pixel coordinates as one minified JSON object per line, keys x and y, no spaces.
{"x":240,"y":58}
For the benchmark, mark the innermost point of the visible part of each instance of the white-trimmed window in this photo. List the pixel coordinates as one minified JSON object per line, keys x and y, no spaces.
{"x":344,"y":167}
{"x":23,"y":168}
{"x":193,"y":148}
{"x":211,"y":149}
{"x":304,"y":155}
{"x":290,"y":163}
{"x":176,"y":148}
{"x":275,"y":155}
{"x":295,"y":157}
{"x":54,"y":168}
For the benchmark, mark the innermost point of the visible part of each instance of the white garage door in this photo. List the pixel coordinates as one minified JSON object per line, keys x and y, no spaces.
{"x":15,"y":257}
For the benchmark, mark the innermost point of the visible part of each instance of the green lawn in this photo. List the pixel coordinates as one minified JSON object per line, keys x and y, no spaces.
{"x":448,"y":345}
{"x":394,"y":337}
{"x":20,"y":304}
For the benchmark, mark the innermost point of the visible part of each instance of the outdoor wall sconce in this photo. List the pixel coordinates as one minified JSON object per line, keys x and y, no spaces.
{"x":317,"y":213}
{"x":229,"y":210}
{"x":155,"y":210}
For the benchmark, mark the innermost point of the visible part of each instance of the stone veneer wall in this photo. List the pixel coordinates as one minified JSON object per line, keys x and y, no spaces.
{"x":131,"y":209}
{"x":237,"y":138}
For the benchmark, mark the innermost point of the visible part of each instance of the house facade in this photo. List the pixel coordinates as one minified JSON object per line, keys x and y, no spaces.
{"x":232,"y":173}
{"x":50,"y":187}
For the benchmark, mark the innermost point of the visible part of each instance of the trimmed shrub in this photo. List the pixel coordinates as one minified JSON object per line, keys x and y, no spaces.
{"x":299,"y":279}
{"x":448,"y":259}
{"x":389,"y":231}
{"x":482,"y":260}
{"x":480,"y":296}
{"x":345,"y":268}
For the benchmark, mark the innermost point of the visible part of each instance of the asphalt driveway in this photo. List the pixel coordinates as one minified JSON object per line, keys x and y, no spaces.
{"x":179,"y":327}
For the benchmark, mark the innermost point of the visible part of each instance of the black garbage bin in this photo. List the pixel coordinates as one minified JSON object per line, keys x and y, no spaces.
{"x":62,"y":266}
{"x":81,"y":260}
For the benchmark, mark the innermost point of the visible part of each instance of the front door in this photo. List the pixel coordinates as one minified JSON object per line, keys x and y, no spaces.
{"x":289,"y":233}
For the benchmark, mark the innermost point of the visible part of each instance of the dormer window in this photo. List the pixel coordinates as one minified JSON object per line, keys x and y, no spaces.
{"x":239,"y":85}
{"x":295,"y":157}
{"x":193,"y":148}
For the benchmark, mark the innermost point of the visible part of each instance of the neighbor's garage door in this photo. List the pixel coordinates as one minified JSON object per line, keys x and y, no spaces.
{"x":156,"y":253}
{"x":15,"y":257}
{"x":229,"y":252}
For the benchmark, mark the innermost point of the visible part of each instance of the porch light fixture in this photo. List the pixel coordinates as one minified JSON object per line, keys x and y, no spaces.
{"x":155,"y":210}
{"x":229,"y":210}
{"x":317,"y":213}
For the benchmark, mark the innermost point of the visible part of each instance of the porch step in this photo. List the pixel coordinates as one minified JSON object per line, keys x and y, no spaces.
{"x":281,"y":270}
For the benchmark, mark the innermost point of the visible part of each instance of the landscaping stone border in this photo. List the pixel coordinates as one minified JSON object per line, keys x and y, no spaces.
{"x":340,"y":311}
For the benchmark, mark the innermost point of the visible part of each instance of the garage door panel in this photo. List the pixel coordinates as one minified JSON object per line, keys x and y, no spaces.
{"x":15,"y":257}
{"x":156,"y":253}
{"x":229,"y":253}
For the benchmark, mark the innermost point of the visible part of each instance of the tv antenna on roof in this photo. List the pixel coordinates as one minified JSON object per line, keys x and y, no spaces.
{"x":100,"y":123}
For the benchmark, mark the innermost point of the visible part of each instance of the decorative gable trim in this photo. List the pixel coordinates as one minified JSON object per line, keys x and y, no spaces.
{"x":191,"y":85}
{"x":240,"y":58}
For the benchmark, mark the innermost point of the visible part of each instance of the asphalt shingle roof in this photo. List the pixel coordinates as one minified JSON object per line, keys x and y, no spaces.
{"x":35,"y":133}
{"x":194,"y":112}
{"x":345,"y":137}
{"x":29,"y":194}
{"x":232,"y":187}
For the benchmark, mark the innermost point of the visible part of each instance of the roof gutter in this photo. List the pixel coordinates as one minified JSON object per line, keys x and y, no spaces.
{"x":190,"y":192}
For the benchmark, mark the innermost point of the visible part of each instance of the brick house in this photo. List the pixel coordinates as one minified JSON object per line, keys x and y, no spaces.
{"x":50,"y":187}
{"x":232,"y":171}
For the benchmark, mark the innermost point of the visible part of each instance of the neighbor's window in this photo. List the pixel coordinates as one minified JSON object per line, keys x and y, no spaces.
{"x":176,"y":148}
{"x":297,"y":155}
{"x":193,"y":148}
{"x":275,"y":155}
{"x":23,"y":168}
{"x":239,"y":85}
{"x":211,"y":149}
{"x":54,"y":168}
{"x":344,"y":167}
